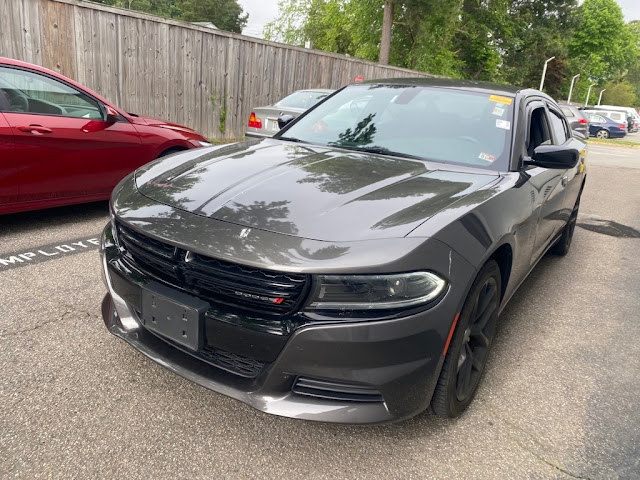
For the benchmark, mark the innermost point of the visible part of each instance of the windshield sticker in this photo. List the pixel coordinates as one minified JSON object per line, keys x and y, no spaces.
{"x":498,"y":110}
{"x":503,"y":124}
{"x":499,"y":99}
{"x":486,"y":157}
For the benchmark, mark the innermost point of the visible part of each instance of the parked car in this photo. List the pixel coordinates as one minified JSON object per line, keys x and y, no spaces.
{"x":633,"y":117}
{"x":618,"y":116}
{"x":577,"y":119}
{"x":263,"y":121}
{"x":601,"y":126}
{"x":61,"y":143}
{"x":346,"y":271}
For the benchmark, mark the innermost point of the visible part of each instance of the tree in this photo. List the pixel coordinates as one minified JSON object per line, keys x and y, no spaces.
{"x":619,"y":93}
{"x":602,"y":45}
{"x":633,"y":74}
{"x":224,"y":14}
{"x":162,"y":8}
{"x":533,"y":32}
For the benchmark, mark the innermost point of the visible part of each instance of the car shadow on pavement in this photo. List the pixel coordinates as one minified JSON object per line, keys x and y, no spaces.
{"x":25,"y":222}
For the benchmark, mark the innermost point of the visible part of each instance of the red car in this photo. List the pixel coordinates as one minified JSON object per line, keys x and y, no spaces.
{"x":61,"y":143}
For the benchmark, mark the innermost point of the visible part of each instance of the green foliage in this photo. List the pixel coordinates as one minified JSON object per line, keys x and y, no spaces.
{"x":602,"y":45}
{"x":220,"y":101}
{"x":619,"y":93}
{"x":633,"y":74}
{"x":224,"y":14}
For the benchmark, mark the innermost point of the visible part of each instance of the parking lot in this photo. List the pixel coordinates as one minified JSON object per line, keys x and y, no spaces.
{"x":559,"y":398}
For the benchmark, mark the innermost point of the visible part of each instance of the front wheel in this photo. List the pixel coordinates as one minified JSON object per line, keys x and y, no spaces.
{"x":602,"y":134}
{"x":563,"y":244}
{"x":469,"y":347}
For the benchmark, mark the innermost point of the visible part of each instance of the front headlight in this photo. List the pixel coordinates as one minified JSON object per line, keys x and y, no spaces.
{"x":375,"y":292}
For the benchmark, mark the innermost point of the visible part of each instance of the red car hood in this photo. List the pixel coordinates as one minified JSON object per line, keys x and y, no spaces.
{"x":154,"y":122}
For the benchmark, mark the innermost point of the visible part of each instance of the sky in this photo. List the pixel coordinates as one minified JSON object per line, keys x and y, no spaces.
{"x":262,"y":12}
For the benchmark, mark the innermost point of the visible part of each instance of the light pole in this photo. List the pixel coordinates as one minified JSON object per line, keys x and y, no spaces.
{"x":544,"y":72}
{"x":600,"y":97}
{"x":586,"y":102}
{"x":571,"y":88}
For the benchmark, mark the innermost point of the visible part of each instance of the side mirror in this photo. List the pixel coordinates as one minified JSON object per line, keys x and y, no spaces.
{"x":554,"y":156}
{"x":112,"y":115}
{"x":284,"y":120}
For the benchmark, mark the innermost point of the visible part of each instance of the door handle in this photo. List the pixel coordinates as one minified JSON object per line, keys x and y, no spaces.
{"x":35,"y":129}
{"x":565,"y":179}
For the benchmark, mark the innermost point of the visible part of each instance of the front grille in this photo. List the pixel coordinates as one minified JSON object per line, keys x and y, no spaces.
{"x":214,"y":280}
{"x":314,"y":387}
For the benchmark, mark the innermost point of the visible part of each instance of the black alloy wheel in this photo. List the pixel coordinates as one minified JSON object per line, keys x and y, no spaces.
{"x":563,"y":244}
{"x":470,"y":344}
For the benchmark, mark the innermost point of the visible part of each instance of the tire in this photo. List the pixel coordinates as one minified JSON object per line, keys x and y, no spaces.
{"x":561,"y":247}
{"x":602,"y":134}
{"x":469,"y":348}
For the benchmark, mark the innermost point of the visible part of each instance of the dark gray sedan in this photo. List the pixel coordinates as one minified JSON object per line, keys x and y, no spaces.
{"x":352,"y":268}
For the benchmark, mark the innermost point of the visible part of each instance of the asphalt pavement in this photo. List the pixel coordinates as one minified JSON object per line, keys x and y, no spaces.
{"x":559,"y":399}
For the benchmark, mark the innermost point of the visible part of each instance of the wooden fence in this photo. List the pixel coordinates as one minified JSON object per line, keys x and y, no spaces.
{"x":204,"y":78}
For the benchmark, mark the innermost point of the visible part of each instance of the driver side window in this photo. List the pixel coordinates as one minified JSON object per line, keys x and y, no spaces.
{"x":539,"y":132}
{"x":22,"y":91}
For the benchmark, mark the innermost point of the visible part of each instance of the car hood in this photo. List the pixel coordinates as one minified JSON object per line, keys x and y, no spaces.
{"x":311,"y":192}
{"x":154,"y":122}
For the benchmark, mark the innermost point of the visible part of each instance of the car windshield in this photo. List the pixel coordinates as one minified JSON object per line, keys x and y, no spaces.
{"x":438,"y":124}
{"x":301,"y":99}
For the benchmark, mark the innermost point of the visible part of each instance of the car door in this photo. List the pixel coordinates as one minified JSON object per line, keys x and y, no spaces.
{"x":571,"y":180}
{"x":8,"y":176}
{"x":548,"y":194}
{"x":64,"y":147}
{"x":596,"y":122}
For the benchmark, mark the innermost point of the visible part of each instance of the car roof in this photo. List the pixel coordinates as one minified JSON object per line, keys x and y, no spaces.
{"x":487,"y":87}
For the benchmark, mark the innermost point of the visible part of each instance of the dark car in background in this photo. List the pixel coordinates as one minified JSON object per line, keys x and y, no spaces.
{"x":263,"y":121}
{"x":577,"y":119}
{"x":61,"y":143}
{"x":352,"y":268}
{"x":601,"y":126}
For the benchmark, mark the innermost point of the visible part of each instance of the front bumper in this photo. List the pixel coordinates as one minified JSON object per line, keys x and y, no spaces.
{"x":399,"y":358}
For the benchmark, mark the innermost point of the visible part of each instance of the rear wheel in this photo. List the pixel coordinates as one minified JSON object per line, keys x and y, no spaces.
{"x":602,"y":134}
{"x":469,"y":347}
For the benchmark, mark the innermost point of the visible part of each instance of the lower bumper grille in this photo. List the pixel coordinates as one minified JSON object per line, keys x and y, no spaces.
{"x":243,"y":366}
{"x":335,"y":391}
{"x":230,"y":362}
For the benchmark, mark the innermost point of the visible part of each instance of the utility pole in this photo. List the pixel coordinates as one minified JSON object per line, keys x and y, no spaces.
{"x":544,"y":72}
{"x":385,"y":39}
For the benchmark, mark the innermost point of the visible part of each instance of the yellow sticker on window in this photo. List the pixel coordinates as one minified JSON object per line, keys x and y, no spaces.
{"x":499,"y":99}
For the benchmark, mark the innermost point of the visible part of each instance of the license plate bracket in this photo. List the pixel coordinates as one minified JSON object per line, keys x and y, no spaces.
{"x":174,"y":315}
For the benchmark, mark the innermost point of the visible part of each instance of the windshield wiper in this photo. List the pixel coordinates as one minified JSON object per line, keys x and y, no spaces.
{"x":291,"y":139}
{"x":378,"y":150}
